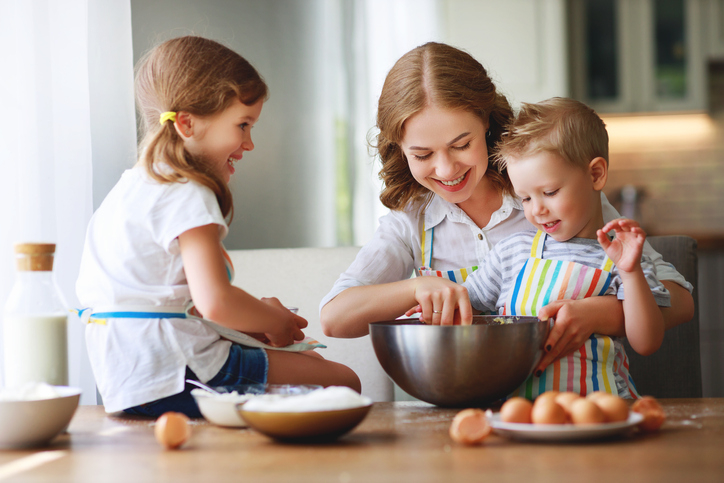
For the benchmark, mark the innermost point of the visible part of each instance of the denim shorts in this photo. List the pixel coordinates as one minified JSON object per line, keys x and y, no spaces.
{"x":245,"y":365}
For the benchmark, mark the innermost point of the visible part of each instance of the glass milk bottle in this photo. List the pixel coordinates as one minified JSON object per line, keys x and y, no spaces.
{"x":35,"y":321}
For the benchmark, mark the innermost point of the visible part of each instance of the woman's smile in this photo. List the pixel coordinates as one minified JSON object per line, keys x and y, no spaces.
{"x":455,"y":184}
{"x":446,"y":151}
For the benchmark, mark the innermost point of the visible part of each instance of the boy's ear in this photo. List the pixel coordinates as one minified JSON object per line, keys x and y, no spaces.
{"x":184,"y":125}
{"x":598,"y":169}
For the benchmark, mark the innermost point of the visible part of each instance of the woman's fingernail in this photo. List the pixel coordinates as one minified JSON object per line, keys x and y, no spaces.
{"x":538,"y":373}
{"x":549,"y":347}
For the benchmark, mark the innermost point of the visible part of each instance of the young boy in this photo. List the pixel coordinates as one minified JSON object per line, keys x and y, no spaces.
{"x":556,"y":154}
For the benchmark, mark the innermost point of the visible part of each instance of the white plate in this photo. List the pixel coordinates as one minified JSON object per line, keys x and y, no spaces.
{"x":561,"y":432}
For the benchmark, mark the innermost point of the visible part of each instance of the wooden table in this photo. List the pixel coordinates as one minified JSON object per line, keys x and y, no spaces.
{"x":397,"y":442}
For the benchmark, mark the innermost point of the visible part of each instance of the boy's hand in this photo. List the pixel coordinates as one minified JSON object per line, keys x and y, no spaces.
{"x":290,"y":329}
{"x":626,"y":248}
{"x":442,"y":302}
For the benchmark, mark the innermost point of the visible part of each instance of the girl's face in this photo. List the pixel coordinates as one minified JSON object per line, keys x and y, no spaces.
{"x":221,"y":139}
{"x":558,"y":197}
{"x":446,"y":151}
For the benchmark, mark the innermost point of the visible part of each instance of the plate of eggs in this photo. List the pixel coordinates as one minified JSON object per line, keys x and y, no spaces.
{"x":564,"y":416}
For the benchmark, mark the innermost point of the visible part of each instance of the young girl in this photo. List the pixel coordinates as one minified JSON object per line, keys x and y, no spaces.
{"x":155,"y":244}
{"x":440,"y":117}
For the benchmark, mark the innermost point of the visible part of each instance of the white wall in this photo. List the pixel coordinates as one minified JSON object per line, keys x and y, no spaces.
{"x":522,"y":44}
{"x":279,"y":189}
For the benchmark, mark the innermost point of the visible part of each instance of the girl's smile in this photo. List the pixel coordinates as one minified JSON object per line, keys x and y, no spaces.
{"x":221,"y":139}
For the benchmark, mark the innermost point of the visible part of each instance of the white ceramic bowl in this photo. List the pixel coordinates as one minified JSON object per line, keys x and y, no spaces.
{"x":222,"y":409}
{"x":36,"y":422}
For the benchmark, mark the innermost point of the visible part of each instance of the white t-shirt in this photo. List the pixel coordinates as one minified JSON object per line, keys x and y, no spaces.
{"x":395,"y":249}
{"x":132,"y":258}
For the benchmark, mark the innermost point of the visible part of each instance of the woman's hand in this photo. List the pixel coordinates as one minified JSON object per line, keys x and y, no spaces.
{"x":575,"y":321}
{"x":442,"y":302}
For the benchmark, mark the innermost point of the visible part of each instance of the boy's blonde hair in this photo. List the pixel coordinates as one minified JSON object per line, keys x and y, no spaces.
{"x":438,"y":74}
{"x":559,"y":125}
{"x":199,"y":76}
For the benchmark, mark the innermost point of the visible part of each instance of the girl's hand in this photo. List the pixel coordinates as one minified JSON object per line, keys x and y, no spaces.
{"x":570,"y":331}
{"x":290,"y":328}
{"x":626,"y":248}
{"x":442,"y":302}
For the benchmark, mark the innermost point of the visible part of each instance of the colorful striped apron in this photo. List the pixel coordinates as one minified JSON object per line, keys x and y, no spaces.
{"x":594,"y":366}
{"x":458,"y":275}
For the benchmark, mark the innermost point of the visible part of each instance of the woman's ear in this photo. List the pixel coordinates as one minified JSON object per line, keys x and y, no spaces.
{"x":598,"y":169}
{"x":184,"y":125}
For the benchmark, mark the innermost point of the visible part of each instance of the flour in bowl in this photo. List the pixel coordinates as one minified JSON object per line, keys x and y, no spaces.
{"x":327,"y":399}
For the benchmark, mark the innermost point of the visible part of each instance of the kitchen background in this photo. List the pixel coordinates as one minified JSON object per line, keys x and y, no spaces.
{"x":654,"y":69}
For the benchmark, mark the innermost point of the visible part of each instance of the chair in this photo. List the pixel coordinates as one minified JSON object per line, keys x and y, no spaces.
{"x":675,"y":369}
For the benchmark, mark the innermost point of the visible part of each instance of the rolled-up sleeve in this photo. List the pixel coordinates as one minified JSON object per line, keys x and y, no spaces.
{"x":388,"y":257}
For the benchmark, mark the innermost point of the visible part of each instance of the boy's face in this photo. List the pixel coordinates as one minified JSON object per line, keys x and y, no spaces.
{"x":559,"y":198}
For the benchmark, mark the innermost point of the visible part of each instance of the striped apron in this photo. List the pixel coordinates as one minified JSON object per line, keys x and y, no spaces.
{"x":99,"y":315}
{"x":458,"y":275}
{"x":595,"y":365}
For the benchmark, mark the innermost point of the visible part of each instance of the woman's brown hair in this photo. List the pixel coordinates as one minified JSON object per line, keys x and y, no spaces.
{"x":199,"y":76}
{"x":438,"y":74}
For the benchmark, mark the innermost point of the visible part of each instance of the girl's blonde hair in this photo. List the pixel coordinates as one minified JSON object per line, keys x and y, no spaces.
{"x":560,"y":125}
{"x":438,"y":74}
{"x":201,"y":77}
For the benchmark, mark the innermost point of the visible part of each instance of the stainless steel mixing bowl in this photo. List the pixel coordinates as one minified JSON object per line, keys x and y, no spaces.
{"x":459,"y":366}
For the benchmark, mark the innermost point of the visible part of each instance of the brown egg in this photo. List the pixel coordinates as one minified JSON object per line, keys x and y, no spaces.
{"x":652,"y":412}
{"x":585,"y":411}
{"x":565,"y":399}
{"x":547,"y":411}
{"x":172,"y":429}
{"x":596,"y":395}
{"x":470,"y":426}
{"x":614,"y":408}
{"x":516,"y":410}
{"x":548,"y":395}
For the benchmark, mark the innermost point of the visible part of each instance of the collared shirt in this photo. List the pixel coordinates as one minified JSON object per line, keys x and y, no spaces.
{"x":395,"y":249}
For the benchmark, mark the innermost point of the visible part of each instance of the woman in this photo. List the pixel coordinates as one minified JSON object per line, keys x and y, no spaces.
{"x":439,"y":118}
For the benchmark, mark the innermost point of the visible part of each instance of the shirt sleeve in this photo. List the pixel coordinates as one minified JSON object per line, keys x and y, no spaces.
{"x":485,"y":284}
{"x":663,"y":269}
{"x":661,"y":295}
{"x":388,"y":257}
{"x":182,"y":207}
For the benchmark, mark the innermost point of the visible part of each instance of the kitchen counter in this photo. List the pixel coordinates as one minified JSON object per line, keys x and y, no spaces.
{"x":397,"y":442}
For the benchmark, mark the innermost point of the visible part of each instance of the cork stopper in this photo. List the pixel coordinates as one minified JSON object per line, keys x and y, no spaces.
{"x":34,"y":256}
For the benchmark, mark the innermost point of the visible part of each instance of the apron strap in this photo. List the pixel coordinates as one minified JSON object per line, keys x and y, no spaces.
{"x":426,"y":238}
{"x":536,"y":248}
{"x":101,"y":314}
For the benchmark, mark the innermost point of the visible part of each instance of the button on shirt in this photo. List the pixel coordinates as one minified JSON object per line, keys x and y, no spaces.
{"x":395,"y":249}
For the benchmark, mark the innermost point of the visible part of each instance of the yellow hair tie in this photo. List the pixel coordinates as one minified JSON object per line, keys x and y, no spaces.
{"x":168,"y":115}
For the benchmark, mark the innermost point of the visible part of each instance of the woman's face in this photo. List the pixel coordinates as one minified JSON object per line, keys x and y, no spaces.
{"x":446,"y":151}
{"x":221,"y":139}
